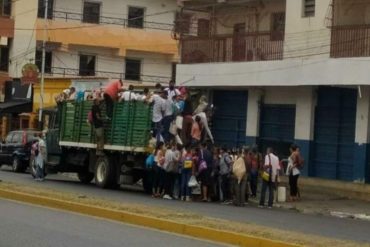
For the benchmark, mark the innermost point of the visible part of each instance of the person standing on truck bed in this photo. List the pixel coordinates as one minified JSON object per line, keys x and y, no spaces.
{"x":187,"y":122}
{"x":158,"y":112}
{"x":97,"y":121}
{"x":111,"y":95}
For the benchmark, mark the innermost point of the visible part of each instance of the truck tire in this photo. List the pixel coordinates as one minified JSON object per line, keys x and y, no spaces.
{"x":85,"y":177}
{"x":17,"y":164}
{"x":104,"y":172}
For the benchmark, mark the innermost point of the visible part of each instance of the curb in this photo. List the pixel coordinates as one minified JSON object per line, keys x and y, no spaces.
{"x":146,"y":221}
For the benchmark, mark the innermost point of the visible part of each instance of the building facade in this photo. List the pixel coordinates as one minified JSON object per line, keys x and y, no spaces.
{"x":110,"y":39}
{"x":283,"y":72}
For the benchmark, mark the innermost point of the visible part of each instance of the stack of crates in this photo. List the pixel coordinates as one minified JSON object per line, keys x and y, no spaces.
{"x":68,"y":117}
{"x":85,"y":134}
{"x":130,"y":126}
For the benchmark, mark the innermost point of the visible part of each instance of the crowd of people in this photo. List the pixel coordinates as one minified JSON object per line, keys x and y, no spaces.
{"x":185,"y":160}
{"x":219,"y":174}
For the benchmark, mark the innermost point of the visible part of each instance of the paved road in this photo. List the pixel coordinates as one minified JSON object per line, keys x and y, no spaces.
{"x":24,"y":225}
{"x":326,"y":226}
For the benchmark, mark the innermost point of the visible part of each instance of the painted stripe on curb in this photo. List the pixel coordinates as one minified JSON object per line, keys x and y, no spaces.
{"x":146,"y":221}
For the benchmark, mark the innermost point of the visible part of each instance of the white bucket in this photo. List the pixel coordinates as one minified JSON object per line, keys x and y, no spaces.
{"x":281,"y":193}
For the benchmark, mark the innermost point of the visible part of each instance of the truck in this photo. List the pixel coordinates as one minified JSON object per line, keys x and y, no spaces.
{"x":71,"y":148}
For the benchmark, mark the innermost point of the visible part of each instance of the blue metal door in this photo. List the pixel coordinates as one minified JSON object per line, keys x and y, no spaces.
{"x":334,"y":136}
{"x":277,"y":126}
{"x":230,"y":117}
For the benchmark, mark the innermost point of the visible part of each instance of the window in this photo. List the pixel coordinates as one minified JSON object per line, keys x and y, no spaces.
{"x":4,"y":58}
{"x":308,"y":8}
{"x":136,"y":17}
{"x":203,"y":28}
{"x":5,"y":7}
{"x":48,"y":60}
{"x":277,"y":26}
{"x":87,"y":65}
{"x":41,"y":9}
{"x":133,"y":69}
{"x":91,"y":12}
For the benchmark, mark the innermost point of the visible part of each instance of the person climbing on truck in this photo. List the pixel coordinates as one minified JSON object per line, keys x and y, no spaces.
{"x":97,"y":123}
{"x":111,"y":95}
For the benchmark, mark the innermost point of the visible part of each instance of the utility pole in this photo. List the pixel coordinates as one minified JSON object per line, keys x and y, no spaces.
{"x":46,"y":2}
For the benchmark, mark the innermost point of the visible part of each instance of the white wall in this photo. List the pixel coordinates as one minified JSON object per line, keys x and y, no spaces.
{"x":291,"y":72}
{"x":362,"y":135}
{"x":307,"y":36}
{"x":161,"y":11}
{"x":22,"y":50}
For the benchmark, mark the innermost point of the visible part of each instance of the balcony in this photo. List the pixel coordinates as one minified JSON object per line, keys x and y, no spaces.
{"x":350,"y":41}
{"x":114,"y":34}
{"x":249,"y":47}
{"x":68,"y":72}
{"x":70,"y":16}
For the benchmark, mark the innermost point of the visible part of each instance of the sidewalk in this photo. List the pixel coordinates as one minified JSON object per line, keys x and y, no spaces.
{"x":329,"y":198}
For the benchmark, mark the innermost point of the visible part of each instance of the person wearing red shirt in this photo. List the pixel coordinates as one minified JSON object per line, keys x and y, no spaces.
{"x":111,"y":95}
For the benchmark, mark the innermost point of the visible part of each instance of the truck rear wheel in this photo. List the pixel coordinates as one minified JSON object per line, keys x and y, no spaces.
{"x":104,"y":172}
{"x":85,"y":177}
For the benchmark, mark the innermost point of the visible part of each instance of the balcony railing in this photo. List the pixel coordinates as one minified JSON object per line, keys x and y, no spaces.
{"x":233,"y":48}
{"x":69,"y":16}
{"x":350,"y":41}
{"x":67,"y":72}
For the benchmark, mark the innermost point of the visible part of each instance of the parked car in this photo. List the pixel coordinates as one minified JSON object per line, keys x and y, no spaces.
{"x":15,"y":151}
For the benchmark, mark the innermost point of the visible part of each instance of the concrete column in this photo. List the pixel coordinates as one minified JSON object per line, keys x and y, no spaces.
{"x":360,"y":167}
{"x":304,"y":123}
{"x":253,"y":116}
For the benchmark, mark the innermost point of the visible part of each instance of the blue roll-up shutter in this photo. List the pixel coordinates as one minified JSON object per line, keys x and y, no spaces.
{"x":230,"y":117}
{"x":334,"y":136}
{"x":277,"y":126}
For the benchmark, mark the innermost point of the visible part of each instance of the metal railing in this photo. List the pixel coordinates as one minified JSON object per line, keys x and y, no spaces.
{"x":68,"y":72}
{"x":350,"y":41}
{"x":69,"y":16}
{"x":233,"y":48}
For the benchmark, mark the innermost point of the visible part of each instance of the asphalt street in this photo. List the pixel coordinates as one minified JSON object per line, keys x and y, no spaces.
{"x":347,"y":229}
{"x":24,"y":225}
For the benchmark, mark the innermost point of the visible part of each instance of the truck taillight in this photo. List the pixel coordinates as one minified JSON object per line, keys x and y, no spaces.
{"x":24,"y":138}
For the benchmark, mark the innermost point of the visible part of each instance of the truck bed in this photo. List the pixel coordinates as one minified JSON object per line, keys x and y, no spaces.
{"x":128,"y":130}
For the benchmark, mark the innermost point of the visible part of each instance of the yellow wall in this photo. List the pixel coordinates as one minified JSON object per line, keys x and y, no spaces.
{"x":52,"y":87}
{"x":115,"y":37}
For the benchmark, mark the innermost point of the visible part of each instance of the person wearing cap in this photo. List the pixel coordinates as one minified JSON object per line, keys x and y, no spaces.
{"x":111,"y":95}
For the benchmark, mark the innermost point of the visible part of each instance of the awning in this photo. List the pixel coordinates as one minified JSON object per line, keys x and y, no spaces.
{"x":16,"y":107}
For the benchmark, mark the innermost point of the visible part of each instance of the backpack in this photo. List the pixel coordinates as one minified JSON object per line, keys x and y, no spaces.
{"x":149,"y":162}
{"x":202,"y":163}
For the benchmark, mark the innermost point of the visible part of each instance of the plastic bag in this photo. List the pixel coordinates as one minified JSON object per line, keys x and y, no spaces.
{"x":173,"y":128}
{"x":193,"y":182}
{"x":239,"y":169}
{"x":179,"y":120}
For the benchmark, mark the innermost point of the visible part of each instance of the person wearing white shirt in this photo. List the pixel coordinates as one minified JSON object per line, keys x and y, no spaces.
{"x":158,"y":113}
{"x":168,"y":117}
{"x":172,"y":91}
{"x":272,"y":167}
{"x":129,"y":95}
